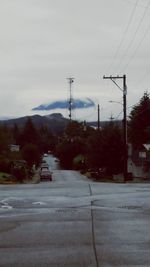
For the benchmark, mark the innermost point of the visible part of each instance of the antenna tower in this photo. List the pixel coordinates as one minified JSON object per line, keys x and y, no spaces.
{"x":70,"y":80}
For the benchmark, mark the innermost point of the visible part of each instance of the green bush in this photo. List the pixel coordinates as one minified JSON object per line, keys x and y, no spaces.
{"x":4,"y":164}
{"x":19,"y":173}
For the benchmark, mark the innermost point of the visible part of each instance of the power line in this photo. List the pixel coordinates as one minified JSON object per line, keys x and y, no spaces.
{"x":121,"y":112}
{"x":135,"y":33}
{"x":124,"y":34}
{"x":141,"y":5}
{"x":143,"y":78}
{"x":137,"y":48}
{"x":89,"y":115}
{"x":119,"y":115}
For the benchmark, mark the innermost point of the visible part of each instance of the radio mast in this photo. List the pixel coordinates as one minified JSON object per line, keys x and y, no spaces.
{"x":70,"y":80}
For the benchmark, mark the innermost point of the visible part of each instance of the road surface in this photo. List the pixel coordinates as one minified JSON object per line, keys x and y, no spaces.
{"x":74,"y":222}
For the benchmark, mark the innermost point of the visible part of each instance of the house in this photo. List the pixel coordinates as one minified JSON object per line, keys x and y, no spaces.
{"x":139,"y":161}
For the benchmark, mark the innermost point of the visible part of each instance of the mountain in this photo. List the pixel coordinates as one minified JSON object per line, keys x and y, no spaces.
{"x":55,"y":116}
{"x":54,"y":122}
{"x":4,"y":118}
{"x":64,"y":104}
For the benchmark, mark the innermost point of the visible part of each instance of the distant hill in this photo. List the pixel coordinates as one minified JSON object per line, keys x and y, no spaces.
{"x":54,"y":122}
{"x":104,"y":123}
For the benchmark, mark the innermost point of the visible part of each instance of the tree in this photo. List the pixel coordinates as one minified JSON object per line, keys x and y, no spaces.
{"x":67,"y":150}
{"x":139,"y":124}
{"x":4,"y":139}
{"x":47,"y":140}
{"x":105,"y":149}
{"x":71,"y":144}
{"x":95,"y":150}
{"x":73,"y":129}
{"x":29,"y":134}
{"x":113,"y":148}
{"x":15,"y":133}
{"x":31,"y":154}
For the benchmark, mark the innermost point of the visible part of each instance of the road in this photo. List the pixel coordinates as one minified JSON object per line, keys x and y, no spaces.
{"x":73,"y":221}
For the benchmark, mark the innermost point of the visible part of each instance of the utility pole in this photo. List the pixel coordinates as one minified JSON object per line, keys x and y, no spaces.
{"x":98,"y":121}
{"x":71,"y":80}
{"x":124,"y":90}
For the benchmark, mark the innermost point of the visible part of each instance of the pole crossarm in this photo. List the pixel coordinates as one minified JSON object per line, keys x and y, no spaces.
{"x":113,"y":78}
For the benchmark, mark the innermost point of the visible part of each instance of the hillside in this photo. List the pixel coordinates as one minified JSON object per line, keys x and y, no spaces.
{"x":54,"y":122}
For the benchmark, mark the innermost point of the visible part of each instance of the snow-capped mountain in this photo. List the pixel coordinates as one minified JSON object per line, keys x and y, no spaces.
{"x":64,"y":104}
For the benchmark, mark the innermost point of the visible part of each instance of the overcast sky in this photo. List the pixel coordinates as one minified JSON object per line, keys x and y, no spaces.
{"x":42,"y":42}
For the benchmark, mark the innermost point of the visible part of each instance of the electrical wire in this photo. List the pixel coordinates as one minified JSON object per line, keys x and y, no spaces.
{"x":143,"y":78}
{"x":122,"y":112}
{"x":124,"y":34}
{"x":135,"y":34}
{"x":137,"y":48}
{"x":119,"y":115}
{"x":141,"y":5}
{"x":88,"y":116}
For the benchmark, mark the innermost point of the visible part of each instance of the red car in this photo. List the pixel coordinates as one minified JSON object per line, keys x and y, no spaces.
{"x":46,"y":174}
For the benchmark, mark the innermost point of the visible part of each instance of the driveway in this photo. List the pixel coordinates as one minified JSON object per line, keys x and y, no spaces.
{"x":73,"y":221}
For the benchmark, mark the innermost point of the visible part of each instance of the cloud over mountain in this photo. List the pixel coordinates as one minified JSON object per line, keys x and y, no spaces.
{"x":64,"y":104}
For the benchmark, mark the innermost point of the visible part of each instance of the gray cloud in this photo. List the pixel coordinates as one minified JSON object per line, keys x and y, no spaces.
{"x":44,"y":42}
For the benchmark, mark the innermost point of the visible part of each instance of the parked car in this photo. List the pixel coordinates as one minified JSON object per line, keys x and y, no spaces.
{"x":44,"y":165}
{"x":46,"y":174}
{"x":97,"y":173}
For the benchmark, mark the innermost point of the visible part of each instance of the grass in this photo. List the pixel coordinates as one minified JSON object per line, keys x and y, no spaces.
{"x":4,"y":175}
{"x":6,"y":178}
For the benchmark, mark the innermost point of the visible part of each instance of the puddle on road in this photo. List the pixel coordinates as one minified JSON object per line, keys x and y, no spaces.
{"x":8,"y":226}
{"x":65,"y":210}
{"x":130,"y":207}
{"x":6,"y":207}
{"x":39,"y":203}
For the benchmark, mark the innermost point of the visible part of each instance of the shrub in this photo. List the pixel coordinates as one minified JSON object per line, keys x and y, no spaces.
{"x":4,"y":164}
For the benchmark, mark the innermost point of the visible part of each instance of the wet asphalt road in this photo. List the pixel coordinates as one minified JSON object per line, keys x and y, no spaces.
{"x":73,"y":221}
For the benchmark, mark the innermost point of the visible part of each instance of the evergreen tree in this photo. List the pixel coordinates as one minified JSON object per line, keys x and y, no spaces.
{"x":4,"y":139}
{"x":105,"y":149}
{"x":29,"y":134}
{"x":15,"y":134}
{"x":48,"y":140}
{"x":139,"y":124}
{"x":113,"y":148}
{"x":31,"y":154}
{"x":95,"y":150}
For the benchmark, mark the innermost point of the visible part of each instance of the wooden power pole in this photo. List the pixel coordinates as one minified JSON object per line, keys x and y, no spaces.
{"x":124,"y":90}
